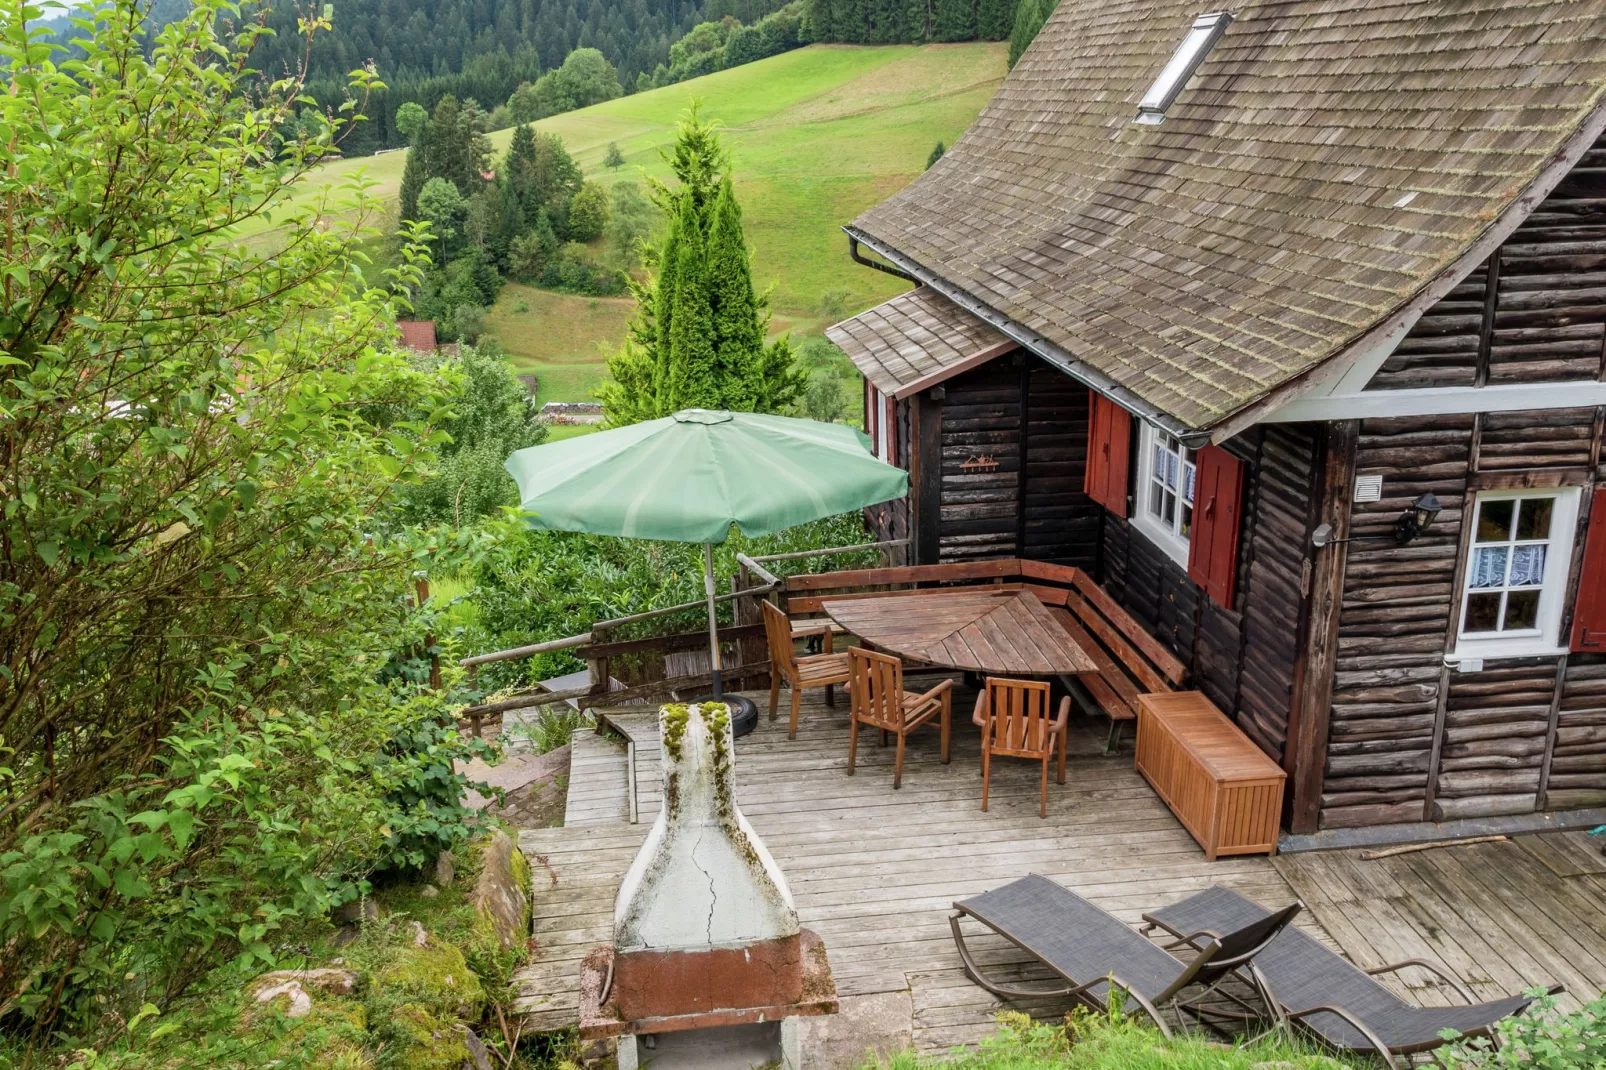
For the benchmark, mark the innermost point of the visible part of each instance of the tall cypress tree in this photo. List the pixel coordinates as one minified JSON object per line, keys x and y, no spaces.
{"x":692,"y":377}
{"x":738,"y":318}
{"x":697,"y":336}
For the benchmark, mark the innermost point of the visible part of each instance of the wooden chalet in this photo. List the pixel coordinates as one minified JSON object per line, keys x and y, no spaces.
{"x":1287,"y":324}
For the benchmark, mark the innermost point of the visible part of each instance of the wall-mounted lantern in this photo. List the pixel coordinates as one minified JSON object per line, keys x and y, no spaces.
{"x":1411,"y":523}
{"x":1415,"y":520}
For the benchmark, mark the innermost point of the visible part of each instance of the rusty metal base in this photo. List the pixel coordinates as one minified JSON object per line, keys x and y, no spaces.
{"x":600,"y":1019}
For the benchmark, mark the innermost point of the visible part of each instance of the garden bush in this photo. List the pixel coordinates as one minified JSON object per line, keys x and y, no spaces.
{"x":203,"y":582}
{"x":1544,"y":1038}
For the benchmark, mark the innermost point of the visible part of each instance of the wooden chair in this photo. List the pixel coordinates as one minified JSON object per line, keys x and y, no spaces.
{"x":1013,"y":716}
{"x":818,"y":670}
{"x":878,"y":700}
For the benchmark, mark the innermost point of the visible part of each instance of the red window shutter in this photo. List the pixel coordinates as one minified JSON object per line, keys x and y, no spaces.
{"x":892,"y":430}
{"x":1589,"y":612}
{"x":871,"y":399}
{"x":1109,"y":453}
{"x":1217,"y":510}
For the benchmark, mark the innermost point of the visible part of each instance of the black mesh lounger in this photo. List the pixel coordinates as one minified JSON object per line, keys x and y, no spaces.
{"x":1317,"y":989}
{"x":1091,"y":948}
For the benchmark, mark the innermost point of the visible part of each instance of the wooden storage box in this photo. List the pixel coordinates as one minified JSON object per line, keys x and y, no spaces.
{"x":1222,"y":787}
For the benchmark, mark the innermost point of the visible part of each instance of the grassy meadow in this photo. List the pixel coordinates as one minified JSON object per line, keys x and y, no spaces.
{"x":816,"y":135}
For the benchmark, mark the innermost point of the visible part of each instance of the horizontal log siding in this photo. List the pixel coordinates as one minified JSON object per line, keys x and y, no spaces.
{"x":1392,"y":624}
{"x":981,"y":418}
{"x":1547,"y":319}
{"x":1241,"y":658}
{"x":1412,"y":740}
{"x":1061,"y":522}
{"x":1578,"y":762}
{"x":1273,"y":606}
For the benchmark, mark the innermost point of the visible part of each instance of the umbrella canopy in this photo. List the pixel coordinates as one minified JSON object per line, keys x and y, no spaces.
{"x":690,"y":476}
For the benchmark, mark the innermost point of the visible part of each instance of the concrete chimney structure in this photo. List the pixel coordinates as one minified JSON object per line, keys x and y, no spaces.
{"x":705,"y":932}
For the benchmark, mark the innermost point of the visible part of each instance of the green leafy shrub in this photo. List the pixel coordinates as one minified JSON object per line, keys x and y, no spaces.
{"x":201,"y":584}
{"x":531,"y":586}
{"x":1544,"y":1038}
{"x":1113,"y":1041}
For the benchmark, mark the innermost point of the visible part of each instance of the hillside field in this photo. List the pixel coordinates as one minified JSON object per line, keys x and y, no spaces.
{"x":817,"y":135}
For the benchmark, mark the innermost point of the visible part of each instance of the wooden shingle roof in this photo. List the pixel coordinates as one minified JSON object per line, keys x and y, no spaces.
{"x":916,"y":340}
{"x":1329,"y":162}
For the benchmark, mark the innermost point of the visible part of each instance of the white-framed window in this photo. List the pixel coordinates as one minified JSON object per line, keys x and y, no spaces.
{"x":1165,"y":492}
{"x":1518,"y":556}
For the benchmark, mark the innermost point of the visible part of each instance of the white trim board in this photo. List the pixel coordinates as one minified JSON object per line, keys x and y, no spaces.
{"x":1441,"y":401}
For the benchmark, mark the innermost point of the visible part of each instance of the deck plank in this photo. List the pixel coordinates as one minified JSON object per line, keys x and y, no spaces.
{"x":1500,"y":916}
{"x":874,"y":870}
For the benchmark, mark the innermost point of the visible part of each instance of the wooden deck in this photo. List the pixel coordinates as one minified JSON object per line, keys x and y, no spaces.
{"x":1502,"y":916}
{"x":874,"y":870}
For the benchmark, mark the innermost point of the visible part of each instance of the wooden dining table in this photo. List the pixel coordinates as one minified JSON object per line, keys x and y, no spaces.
{"x":997,"y":631}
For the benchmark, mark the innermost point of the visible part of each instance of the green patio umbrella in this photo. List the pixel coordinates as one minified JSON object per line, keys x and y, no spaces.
{"x":690,"y":476}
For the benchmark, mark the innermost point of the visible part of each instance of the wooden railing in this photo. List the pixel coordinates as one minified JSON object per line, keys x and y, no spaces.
{"x":753,"y":582}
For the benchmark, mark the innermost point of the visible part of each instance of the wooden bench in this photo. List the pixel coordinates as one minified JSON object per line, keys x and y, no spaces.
{"x":1132,"y":663}
{"x":1222,"y":787}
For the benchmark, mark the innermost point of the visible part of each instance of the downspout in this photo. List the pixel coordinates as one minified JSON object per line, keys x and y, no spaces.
{"x":1090,"y":377}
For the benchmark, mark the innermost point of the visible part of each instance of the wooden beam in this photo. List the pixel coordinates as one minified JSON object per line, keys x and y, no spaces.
{"x":1317,"y":662}
{"x":927,"y":519}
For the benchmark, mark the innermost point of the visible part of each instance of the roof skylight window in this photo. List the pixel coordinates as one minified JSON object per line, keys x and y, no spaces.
{"x":1202,"y":37}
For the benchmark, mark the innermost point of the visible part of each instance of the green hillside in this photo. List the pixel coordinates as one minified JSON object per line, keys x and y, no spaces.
{"x":817,"y":135}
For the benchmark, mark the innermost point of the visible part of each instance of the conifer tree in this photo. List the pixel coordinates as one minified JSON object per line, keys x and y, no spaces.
{"x":692,"y":377}
{"x":1029,"y":19}
{"x":954,"y":20}
{"x":994,"y":19}
{"x":415,"y":173}
{"x":697,"y":337}
{"x":738,"y":319}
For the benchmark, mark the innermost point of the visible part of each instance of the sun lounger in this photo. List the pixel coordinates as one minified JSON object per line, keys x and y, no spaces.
{"x":1317,"y":990}
{"x":1091,"y":949}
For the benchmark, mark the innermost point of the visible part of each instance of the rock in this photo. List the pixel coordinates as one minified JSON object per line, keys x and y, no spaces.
{"x":501,"y":897}
{"x":357,"y":912}
{"x":299,"y":1003}
{"x":1280,"y":1064}
{"x":429,"y":891}
{"x":334,"y":981}
{"x":478,"y":1056}
{"x":420,"y":935}
{"x":445,"y":868}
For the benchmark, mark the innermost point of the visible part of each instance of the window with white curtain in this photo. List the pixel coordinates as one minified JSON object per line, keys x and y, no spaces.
{"x":1518,"y":557}
{"x":1165,"y":492}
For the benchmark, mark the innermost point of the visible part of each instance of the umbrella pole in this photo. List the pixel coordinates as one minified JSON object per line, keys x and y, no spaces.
{"x":713,"y":621}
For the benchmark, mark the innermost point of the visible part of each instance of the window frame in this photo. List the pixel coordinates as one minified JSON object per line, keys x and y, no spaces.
{"x":1183,"y":63}
{"x":1545,"y":637}
{"x":1174,"y":543}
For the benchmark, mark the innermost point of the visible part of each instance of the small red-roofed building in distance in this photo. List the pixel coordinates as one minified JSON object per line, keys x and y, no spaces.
{"x":418,"y":335}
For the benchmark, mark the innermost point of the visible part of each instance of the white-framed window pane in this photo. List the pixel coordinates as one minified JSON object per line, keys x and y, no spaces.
{"x":1527,"y":565}
{"x":1516,"y":571}
{"x":1488,"y":567}
{"x":1165,"y":511}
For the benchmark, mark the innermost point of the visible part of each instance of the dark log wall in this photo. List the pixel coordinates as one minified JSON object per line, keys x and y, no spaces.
{"x":1413,"y":740}
{"x":1241,"y":657}
{"x":1534,"y":312}
{"x":981,"y":475}
{"x":1060,"y":523}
